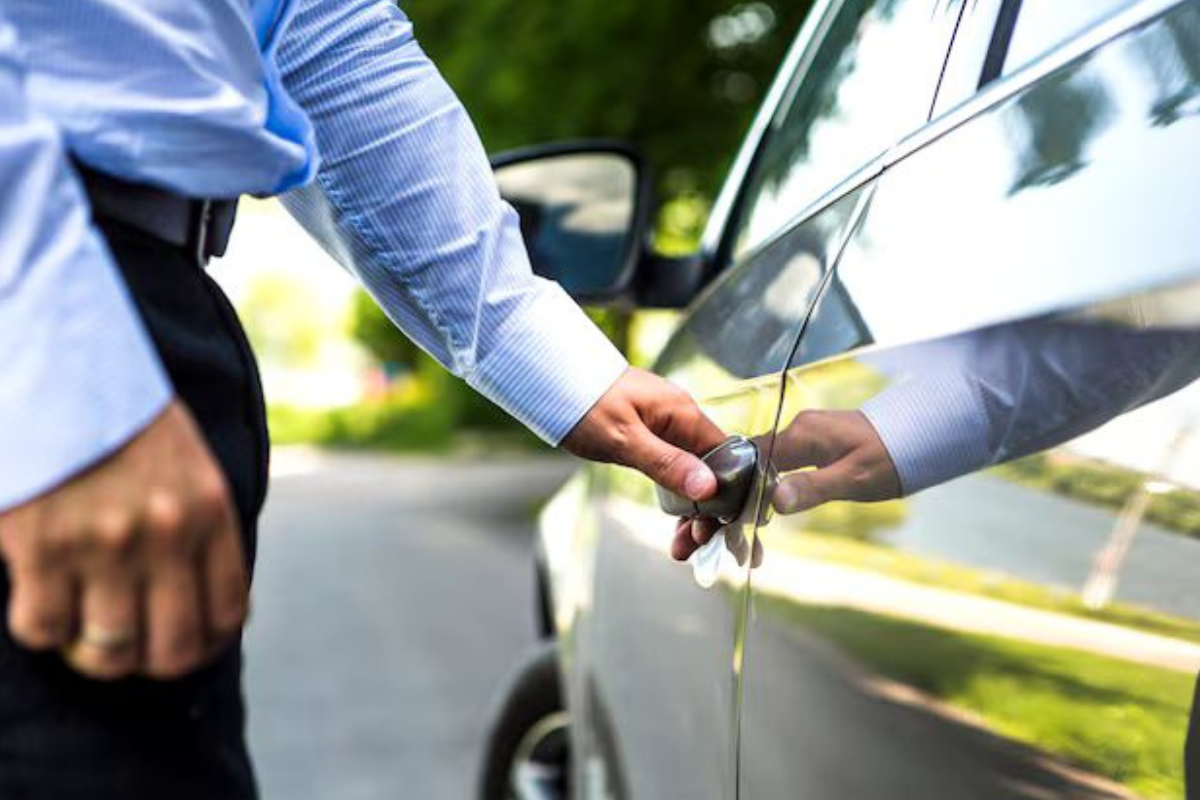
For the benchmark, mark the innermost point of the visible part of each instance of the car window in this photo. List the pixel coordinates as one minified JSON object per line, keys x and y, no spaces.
{"x":1042,"y":25}
{"x":869,"y":79}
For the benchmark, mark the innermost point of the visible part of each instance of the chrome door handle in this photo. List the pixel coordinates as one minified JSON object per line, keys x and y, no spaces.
{"x":735,"y":463}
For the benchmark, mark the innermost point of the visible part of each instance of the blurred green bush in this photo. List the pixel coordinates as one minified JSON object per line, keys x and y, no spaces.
{"x":678,"y":78}
{"x":1106,"y":485}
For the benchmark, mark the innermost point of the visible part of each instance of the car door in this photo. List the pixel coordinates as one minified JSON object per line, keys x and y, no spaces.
{"x":656,"y":659}
{"x":1013,"y":326}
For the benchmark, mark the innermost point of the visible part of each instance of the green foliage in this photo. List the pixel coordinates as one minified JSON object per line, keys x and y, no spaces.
{"x":1105,"y":485}
{"x":679,"y":78}
{"x":806,"y":542}
{"x":680,"y":224}
{"x":862,"y":522}
{"x":426,"y":409}
{"x":403,"y":423}
{"x":371,"y":328}
{"x":283,"y":319}
{"x":1122,"y":720}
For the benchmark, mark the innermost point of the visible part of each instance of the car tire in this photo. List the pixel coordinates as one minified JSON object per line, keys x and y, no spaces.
{"x":527,"y":750}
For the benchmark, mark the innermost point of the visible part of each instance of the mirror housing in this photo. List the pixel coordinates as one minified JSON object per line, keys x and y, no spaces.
{"x":586,"y":212}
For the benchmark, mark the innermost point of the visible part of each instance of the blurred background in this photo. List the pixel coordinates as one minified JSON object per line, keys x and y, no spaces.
{"x":680,"y":81}
{"x":394,"y":587}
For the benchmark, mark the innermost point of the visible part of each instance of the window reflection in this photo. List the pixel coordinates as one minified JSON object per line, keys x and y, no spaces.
{"x":1171,"y":55}
{"x":1045,"y":24}
{"x":871,"y":81}
{"x":1000,"y":529}
{"x":576,"y":211}
{"x":1055,"y":122}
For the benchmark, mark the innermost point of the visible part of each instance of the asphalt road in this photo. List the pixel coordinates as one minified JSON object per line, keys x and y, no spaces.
{"x":393,"y":598}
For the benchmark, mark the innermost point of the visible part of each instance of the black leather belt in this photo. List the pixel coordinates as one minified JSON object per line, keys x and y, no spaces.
{"x":200,"y":226}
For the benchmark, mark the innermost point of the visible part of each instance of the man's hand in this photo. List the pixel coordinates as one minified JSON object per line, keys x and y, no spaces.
{"x":134,"y":566}
{"x":651,"y":425}
{"x":851,"y":464}
{"x":850,"y":459}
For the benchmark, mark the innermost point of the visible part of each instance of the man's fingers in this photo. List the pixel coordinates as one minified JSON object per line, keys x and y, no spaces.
{"x":682,"y":545}
{"x":669,"y":466}
{"x":174,"y":621}
{"x":801,"y":491}
{"x":691,"y":534}
{"x":703,"y":529}
{"x":41,"y":610}
{"x":226,"y":587}
{"x":803,"y":443}
{"x":108,"y":642}
{"x":692,"y":430}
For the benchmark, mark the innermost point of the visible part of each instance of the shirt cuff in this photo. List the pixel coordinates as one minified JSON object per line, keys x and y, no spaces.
{"x":550,"y":365}
{"x":81,"y":377}
{"x":934,"y":428}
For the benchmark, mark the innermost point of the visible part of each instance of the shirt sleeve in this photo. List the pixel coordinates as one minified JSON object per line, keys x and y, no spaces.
{"x":997,"y":394}
{"x":405,"y":199}
{"x":80,"y":376}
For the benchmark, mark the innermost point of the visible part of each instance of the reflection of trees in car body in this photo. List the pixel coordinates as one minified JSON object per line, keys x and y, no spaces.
{"x":1171,"y":53}
{"x":1055,"y":121}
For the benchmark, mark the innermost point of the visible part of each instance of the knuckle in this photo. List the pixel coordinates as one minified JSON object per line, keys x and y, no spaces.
{"x":212,"y":491}
{"x":101,"y":664}
{"x":112,"y":532}
{"x":38,"y":630}
{"x":164,"y":514}
{"x":664,"y":463}
{"x":181,"y":653}
{"x":56,"y":547}
{"x":805,"y":421}
{"x":229,"y":613}
{"x":859,"y":479}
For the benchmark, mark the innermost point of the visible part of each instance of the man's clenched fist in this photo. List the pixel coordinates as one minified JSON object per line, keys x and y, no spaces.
{"x":134,"y":566}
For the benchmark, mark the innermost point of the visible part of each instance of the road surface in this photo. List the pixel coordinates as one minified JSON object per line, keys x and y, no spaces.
{"x":392,"y":599}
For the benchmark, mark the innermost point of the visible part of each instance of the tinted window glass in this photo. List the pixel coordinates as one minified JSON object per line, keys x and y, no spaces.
{"x":869,"y":80}
{"x":1044,"y":24}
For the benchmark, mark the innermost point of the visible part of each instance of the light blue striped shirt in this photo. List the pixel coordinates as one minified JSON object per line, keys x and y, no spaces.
{"x":331,"y":102}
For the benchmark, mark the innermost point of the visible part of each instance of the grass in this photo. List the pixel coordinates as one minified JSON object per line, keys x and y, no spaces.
{"x":1120,"y":720}
{"x":918,"y":569}
{"x":1104,"y":485}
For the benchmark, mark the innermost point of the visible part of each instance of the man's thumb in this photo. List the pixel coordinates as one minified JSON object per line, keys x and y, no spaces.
{"x":671,"y":467}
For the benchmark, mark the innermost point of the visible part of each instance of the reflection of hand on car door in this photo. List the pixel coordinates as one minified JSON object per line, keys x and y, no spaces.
{"x":831,"y":455}
{"x":837,"y":455}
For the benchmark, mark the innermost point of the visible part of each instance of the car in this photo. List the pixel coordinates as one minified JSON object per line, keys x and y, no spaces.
{"x":961,"y":236}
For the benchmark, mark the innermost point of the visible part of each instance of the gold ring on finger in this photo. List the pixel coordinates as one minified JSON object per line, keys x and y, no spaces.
{"x":107,"y":638}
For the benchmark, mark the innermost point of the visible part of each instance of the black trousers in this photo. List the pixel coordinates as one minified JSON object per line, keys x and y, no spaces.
{"x":64,"y":737}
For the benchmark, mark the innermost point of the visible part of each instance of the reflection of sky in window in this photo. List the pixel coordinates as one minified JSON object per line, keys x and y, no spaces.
{"x":993,"y":250}
{"x":884,"y":95}
{"x":594,"y":190}
{"x":1141,"y":438}
{"x":1045,"y":24}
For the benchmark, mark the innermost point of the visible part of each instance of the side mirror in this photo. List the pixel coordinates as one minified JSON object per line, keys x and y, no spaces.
{"x":584,"y":209}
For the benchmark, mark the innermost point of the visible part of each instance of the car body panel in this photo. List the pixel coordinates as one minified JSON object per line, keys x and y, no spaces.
{"x":1028,"y":631}
{"x":652,"y":664}
{"x":700,"y":681}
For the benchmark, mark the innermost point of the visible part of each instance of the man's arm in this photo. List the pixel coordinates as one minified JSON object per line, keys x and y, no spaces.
{"x":980,"y":399}
{"x":95,"y":459}
{"x":406,"y":200}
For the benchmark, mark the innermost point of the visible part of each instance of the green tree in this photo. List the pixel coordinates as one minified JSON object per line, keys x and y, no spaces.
{"x":371,"y":328}
{"x":679,"y":78}
{"x":283,"y":318}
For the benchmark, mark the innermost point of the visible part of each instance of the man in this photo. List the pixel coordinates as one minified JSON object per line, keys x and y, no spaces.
{"x":132,"y":442}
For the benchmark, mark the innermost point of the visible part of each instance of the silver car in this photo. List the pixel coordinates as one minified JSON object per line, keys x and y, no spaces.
{"x":962,"y":235}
